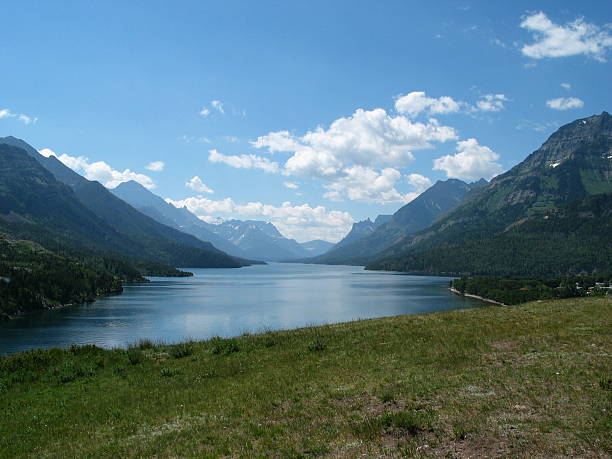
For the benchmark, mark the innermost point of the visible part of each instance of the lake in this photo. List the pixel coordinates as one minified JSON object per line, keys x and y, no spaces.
{"x":229,"y":302}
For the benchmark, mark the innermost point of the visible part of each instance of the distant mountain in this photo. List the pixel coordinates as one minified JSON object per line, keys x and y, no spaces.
{"x":414,"y":216}
{"x":155,"y":207}
{"x":251,"y":239}
{"x":81,"y":213}
{"x":317,"y":247}
{"x":362,"y":229}
{"x":547,"y":215}
{"x":261,"y":240}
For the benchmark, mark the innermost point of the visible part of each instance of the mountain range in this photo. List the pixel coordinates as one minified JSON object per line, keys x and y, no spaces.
{"x":45,"y":201}
{"x":548,"y":215}
{"x":551,"y":214}
{"x":367,"y":239}
{"x":251,"y":239}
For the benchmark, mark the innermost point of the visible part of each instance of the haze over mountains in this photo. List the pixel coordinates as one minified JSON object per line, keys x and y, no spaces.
{"x":250,"y":239}
{"x":45,"y":201}
{"x":367,"y":239}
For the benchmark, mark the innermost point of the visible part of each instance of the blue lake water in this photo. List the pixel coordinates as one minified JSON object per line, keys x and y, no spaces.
{"x":229,"y":302}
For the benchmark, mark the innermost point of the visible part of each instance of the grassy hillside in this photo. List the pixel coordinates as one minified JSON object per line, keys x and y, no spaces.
{"x":533,"y":380}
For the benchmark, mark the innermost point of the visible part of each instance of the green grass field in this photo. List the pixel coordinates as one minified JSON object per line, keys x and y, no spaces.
{"x":527,"y":381}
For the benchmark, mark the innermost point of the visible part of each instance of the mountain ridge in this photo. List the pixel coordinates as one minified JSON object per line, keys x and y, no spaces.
{"x":573,"y":165}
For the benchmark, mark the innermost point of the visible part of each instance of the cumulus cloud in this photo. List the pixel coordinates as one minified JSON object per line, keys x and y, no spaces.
{"x":155,"y":166}
{"x":365,"y":184}
{"x":419,"y":182}
{"x":367,"y":138}
{"x":566,"y":86}
{"x":357,"y":156}
{"x":6,"y":113}
{"x":196,"y":184}
{"x":243,"y":161}
{"x":99,"y":170}
{"x":491,"y":103}
{"x":291,"y":185}
{"x":302,"y":222}
{"x":575,"y":38}
{"x":416,"y":102}
{"x":472,"y":162}
{"x":205,"y":111}
{"x":565,"y":103}
{"x":277,"y":141}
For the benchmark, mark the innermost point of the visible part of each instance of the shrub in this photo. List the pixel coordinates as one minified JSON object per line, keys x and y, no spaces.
{"x":120,"y":371}
{"x":169,"y":372}
{"x":134,"y":356}
{"x":181,"y":350}
{"x":224,"y":346}
{"x":317,"y":346}
{"x":145,"y":343}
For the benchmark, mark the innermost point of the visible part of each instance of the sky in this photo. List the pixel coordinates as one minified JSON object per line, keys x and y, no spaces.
{"x":311,"y":115}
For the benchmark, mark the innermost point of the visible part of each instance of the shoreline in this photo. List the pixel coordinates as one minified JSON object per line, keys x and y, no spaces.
{"x":481,"y":298}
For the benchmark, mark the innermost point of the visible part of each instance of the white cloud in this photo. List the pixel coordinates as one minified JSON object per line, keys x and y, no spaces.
{"x":291,"y":185}
{"x":155,"y":166}
{"x":416,"y":102}
{"x":231,"y":139}
{"x":205,"y":111}
{"x":553,"y":40}
{"x":367,"y":138}
{"x":302,"y":222}
{"x":419,"y":182}
{"x":218,"y":105}
{"x":565,"y":103}
{"x":6,"y":113}
{"x":190,"y":139}
{"x":277,"y":141}
{"x":361,"y":183}
{"x":566,"y":86}
{"x":491,"y":103}
{"x":196,"y":184}
{"x":357,"y":156}
{"x":472,"y":162}
{"x":243,"y":161}
{"x":99,"y":170}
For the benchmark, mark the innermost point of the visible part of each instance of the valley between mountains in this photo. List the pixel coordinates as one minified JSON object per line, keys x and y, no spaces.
{"x":550,"y":215}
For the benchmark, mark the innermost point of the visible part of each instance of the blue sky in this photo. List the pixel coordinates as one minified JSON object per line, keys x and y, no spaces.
{"x":307,"y":114}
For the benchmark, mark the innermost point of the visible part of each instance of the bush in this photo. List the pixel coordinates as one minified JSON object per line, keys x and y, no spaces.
{"x":181,"y":350}
{"x":224,"y":346}
{"x":168,"y":372}
{"x":145,"y":343}
{"x":317,"y":346}
{"x":134,"y":356}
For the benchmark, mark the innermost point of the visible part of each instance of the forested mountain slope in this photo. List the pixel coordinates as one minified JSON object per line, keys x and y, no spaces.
{"x":547,"y":215}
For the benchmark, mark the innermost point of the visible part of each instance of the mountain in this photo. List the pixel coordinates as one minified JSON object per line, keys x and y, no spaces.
{"x":316,"y":247}
{"x":84,"y":215}
{"x":414,"y":216}
{"x":362,"y":229}
{"x":155,"y":207}
{"x":246,"y":239}
{"x":261,"y":240}
{"x":534,"y":219}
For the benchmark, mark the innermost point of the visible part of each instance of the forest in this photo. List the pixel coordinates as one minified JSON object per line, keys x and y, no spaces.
{"x":32,"y":278}
{"x":515,"y":290}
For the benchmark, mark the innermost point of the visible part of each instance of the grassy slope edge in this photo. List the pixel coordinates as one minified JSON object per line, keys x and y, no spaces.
{"x":526,"y":381}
